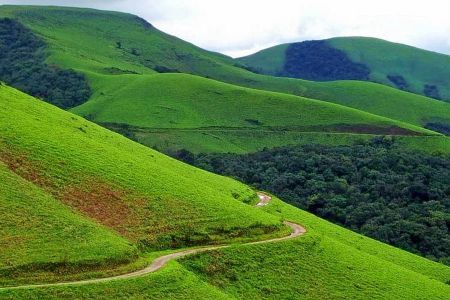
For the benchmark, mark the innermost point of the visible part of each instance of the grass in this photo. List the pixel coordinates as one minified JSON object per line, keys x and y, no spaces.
{"x":329,"y":262}
{"x":267,"y":61}
{"x":418,"y":67}
{"x":392,"y":103}
{"x":47,"y":234}
{"x":383,"y":58}
{"x":172,"y":282}
{"x":95,"y":52}
{"x":308,"y":267}
{"x":186,"y":102}
{"x":174,"y":111}
{"x":42,"y":157}
{"x":253,"y":140}
{"x":139,"y":200}
{"x":145,"y":198}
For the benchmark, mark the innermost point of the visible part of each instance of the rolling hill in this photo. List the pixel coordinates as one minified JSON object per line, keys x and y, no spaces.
{"x":210,"y":113}
{"x":359,"y":58}
{"x":80,"y":202}
{"x":110,"y":44}
{"x":113,"y":193}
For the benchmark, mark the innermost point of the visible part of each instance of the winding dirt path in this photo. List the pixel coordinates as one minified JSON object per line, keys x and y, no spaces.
{"x":160,"y":262}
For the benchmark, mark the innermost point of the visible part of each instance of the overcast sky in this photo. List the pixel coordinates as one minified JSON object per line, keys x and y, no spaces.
{"x":240,"y":27}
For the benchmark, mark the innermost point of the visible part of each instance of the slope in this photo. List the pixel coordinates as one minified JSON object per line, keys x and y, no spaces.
{"x":42,"y":159}
{"x":47,"y":234}
{"x":122,"y":195}
{"x":360,"y":58}
{"x":328,"y":263}
{"x":144,"y":106}
{"x":112,"y":43}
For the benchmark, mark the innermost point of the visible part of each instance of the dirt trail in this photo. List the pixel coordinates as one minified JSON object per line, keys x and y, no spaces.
{"x":160,"y":262}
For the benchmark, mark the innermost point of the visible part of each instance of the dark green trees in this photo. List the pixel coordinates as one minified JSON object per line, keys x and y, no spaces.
{"x":23,"y":66}
{"x":396,"y":196}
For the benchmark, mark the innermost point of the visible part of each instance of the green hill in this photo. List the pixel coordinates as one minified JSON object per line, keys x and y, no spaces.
{"x":113,"y":44}
{"x":69,"y":189}
{"x":79,"y":201}
{"x":306,"y":266}
{"x":400,"y":66}
{"x":207,"y":112}
{"x":109,"y":193}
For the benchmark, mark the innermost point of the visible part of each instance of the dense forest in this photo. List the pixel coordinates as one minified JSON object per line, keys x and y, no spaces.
{"x":315,"y":60}
{"x":23,"y":66}
{"x":396,"y":196}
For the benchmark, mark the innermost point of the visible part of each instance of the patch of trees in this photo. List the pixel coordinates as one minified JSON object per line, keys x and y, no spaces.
{"x":399,"y":81}
{"x":23,"y":66}
{"x":439,"y":127}
{"x":316,"y":60}
{"x":431,"y":91}
{"x":396,"y":196}
{"x":164,"y":69}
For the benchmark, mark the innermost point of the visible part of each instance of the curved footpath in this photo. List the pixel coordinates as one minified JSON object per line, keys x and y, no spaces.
{"x":160,"y":262}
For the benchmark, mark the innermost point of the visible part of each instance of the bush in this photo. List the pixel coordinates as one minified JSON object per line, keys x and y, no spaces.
{"x":399,"y":81}
{"x":431,"y":91}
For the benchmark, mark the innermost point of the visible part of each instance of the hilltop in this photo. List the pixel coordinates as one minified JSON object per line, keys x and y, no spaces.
{"x":213,"y":116}
{"x":358,"y":58}
{"x":112,"y":50}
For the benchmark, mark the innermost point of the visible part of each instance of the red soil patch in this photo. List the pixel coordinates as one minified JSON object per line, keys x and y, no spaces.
{"x":99,"y":201}
{"x":132,"y":216}
{"x":105,"y":204}
{"x":22,"y":166}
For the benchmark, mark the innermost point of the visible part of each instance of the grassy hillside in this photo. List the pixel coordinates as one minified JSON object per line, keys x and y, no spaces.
{"x":78,"y":188}
{"x":181,"y":104}
{"x":395,"y":104}
{"x":419,"y":68}
{"x":132,"y":200}
{"x":400,"y":66}
{"x":112,"y":44}
{"x":328,"y":263}
{"x":110,"y":193}
{"x":267,"y":61}
{"x":37,"y":231}
{"x":308,"y":267}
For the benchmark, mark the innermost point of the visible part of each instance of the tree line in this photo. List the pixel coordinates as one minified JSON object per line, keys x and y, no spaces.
{"x":23,"y":66}
{"x":375,"y":188}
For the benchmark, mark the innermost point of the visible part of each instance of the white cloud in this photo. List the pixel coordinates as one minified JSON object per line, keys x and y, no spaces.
{"x":238,"y":27}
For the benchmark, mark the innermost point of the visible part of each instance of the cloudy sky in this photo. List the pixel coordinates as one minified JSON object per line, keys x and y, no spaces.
{"x":240,"y":27}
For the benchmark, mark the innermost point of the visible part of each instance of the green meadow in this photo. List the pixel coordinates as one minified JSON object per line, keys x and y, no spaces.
{"x":80,"y":201}
{"x":119,"y":53}
{"x":132,"y":192}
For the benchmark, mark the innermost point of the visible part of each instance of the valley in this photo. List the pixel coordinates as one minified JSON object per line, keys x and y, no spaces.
{"x":136,"y":165}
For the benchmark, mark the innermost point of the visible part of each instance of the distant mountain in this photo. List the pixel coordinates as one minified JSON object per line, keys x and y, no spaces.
{"x":111,"y":52}
{"x":358,"y":58}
